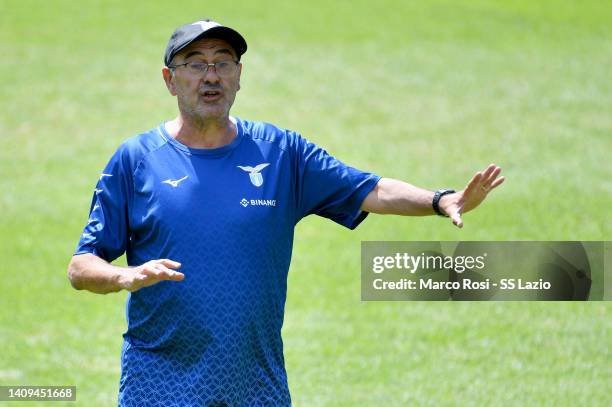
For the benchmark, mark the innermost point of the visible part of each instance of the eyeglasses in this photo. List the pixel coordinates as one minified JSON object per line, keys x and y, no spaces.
{"x":222,"y":68}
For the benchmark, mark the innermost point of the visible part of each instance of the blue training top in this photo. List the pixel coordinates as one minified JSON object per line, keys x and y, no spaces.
{"x":228,"y":215}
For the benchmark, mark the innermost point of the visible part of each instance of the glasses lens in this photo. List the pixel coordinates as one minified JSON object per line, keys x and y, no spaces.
{"x":197,"y":68}
{"x":225,"y":68}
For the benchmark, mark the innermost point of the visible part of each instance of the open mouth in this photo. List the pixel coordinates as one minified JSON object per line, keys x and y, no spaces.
{"x":211,"y":95}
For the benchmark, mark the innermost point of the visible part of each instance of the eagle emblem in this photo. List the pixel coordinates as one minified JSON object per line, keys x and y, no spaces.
{"x":255,"y":173}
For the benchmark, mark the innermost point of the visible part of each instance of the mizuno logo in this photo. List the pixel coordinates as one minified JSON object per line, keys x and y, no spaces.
{"x":105,"y":175}
{"x":254,"y":173}
{"x":174,"y":182}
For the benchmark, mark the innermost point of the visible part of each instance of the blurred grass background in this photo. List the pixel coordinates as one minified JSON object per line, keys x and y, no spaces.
{"x":428,"y":92}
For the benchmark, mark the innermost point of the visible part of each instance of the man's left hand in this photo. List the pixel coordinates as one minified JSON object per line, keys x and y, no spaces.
{"x":458,"y":203}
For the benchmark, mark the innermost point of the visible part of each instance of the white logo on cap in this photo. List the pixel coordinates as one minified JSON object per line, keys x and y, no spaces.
{"x":206,"y":25}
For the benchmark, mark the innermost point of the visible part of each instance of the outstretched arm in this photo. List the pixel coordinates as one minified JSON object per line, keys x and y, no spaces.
{"x":395,"y":197}
{"x":92,"y":273}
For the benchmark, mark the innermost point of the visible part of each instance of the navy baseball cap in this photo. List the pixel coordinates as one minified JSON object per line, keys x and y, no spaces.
{"x":188,"y":33}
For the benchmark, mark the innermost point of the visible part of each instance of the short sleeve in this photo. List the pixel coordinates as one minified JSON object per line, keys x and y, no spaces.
{"x":106,"y":233}
{"x":329,"y":188}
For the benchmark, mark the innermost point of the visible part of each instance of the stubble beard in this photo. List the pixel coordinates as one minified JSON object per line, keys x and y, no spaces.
{"x":201,"y":113}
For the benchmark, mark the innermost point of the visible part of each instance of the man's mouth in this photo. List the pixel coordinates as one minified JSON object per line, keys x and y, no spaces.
{"x":211,"y":95}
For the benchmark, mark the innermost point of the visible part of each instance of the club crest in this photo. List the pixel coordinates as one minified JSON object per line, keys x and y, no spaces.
{"x":255,"y":173}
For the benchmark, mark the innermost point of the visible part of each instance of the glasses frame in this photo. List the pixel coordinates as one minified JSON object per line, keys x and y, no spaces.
{"x":208,"y":65}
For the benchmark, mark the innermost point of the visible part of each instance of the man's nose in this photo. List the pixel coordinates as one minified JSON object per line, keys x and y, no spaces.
{"x":211,"y":75}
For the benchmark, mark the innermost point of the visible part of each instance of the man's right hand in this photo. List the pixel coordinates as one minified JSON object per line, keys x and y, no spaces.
{"x":89,"y":272}
{"x":149,"y":273}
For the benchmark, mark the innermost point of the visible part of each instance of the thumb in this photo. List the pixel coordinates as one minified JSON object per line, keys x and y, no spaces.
{"x":456,"y":218}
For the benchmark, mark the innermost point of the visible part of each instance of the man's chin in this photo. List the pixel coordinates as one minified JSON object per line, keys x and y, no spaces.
{"x":211,"y":111}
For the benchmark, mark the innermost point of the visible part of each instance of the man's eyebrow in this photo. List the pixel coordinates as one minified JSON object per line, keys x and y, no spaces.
{"x":219,"y":51}
{"x":224,"y":51}
{"x":192,"y":53}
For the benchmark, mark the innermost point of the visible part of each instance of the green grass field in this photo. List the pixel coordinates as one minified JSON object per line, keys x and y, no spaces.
{"x":428,"y":92}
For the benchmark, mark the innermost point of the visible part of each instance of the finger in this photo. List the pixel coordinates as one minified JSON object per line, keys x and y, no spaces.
{"x":473,"y":182}
{"x":487,"y":172}
{"x":164,"y":273}
{"x":170,"y":263}
{"x":497,"y":182}
{"x":487,"y":181}
{"x":456,"y":218}
{"x":148,"y":271}
{"x":173,"y":276}
{"x":157,"y":272}
{"x":149,"y":280}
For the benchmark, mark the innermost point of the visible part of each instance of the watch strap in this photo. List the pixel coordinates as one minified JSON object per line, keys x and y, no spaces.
{"x":436,"y":200}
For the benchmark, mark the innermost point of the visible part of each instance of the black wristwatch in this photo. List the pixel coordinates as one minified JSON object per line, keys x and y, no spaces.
{"x":436,"y":200}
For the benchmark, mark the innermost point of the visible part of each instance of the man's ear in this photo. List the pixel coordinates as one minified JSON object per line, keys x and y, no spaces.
{"x":168,"y":76}
{"x":239,"y":74}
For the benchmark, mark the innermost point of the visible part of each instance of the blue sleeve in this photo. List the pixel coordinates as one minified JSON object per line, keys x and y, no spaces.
{"x":106,"y":233}
{"x":329,"y":188}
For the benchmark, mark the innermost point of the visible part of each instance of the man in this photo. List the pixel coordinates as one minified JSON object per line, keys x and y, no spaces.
{"x":205,"y":207}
